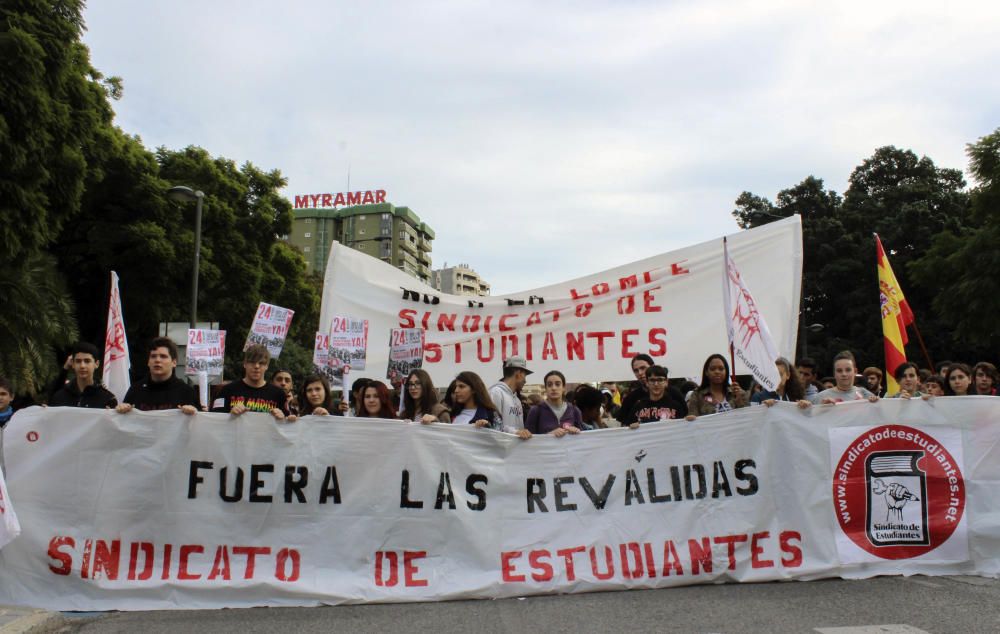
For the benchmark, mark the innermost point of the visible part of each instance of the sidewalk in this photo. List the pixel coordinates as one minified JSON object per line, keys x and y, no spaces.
{"x":21,"y":620}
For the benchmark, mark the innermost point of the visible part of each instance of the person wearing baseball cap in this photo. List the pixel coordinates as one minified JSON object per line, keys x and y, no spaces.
{"x":505,"y":395}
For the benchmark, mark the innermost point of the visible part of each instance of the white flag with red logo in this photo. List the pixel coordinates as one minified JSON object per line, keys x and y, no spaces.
{"x":116,"y":361}
{"x":748,"y":333}
{"x":9,"y":526}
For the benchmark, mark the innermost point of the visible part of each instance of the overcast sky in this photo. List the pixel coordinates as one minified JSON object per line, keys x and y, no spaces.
{"x":543,"y":141}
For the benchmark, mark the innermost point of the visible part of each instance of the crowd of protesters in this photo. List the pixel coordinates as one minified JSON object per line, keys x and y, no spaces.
{"x":504,"y":406}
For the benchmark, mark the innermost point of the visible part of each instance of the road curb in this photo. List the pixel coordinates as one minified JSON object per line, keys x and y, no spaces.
{"x":34,"y":622}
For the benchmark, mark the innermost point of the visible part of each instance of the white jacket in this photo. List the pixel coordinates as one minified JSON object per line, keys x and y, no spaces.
{"x":509,"y":406}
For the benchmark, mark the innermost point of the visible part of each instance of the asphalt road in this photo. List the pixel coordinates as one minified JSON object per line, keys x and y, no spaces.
{"x":888,"y":605}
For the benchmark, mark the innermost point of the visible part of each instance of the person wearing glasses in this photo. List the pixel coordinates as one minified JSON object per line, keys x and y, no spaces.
{"x":420,"y":401}
{"x":662,"y":403}
{"x":252,"y":393}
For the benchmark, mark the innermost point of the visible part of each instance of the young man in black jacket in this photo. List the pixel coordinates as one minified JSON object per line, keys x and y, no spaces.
{"x":83,"y":391}
{"x":161,"y":389}
{"x":640,"y":363}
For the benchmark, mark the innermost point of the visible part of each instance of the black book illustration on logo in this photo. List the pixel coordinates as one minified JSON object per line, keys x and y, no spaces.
{"x":897,"y":499}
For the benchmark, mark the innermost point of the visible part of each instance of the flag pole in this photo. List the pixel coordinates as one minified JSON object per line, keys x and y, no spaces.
{"x":725,"y":274}
{"x":923,"y":347}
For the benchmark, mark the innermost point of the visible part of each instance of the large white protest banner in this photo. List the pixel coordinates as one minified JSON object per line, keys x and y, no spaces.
{"x":161,"y":510}
{"x":667,"y":306}
{"x":10,"y":528}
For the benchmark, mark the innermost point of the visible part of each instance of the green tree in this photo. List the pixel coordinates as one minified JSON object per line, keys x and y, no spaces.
{"x":244,"y":261}
{"x":822,"y":239}
{"x":285,"y":278}
{"x":129,"y":225}
{"x":960,"y":268}
{"x":126,"y":224}
{"x":73,"y":185}
{"x":37,"y":316}
{"x":52,"y":103}
{"x":907,"y":200}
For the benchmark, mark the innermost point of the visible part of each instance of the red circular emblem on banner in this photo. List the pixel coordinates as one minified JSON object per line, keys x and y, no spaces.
{"x":32,"y":436}
{"x":897,"y":492}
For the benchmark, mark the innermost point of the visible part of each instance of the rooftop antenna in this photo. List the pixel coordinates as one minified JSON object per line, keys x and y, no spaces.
{"x":348,"y":177}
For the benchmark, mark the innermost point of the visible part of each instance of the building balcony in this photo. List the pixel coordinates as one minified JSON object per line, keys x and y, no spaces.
{"x":409,"y":247}
{"x":408,"y":259}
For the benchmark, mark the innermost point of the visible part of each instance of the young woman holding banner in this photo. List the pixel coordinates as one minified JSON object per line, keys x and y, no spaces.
{"x":844,"y":370}
{"x":554,"y":415}
{"x":352,"y":405}
{"x":908,"y":377}
{"x":715,"y":394}
{"x":314,"y":397}
{"x":376,"y":402}
{"x":420,"y":403}
{"x":471,"y":403}
{"x":958,"y":380}
{"x":788,"y":389}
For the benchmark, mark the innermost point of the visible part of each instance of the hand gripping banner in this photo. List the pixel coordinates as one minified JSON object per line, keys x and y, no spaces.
{"x":160,"y":510}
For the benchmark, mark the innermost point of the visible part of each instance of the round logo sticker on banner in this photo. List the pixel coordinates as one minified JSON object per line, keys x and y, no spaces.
{"x":897,"y":492}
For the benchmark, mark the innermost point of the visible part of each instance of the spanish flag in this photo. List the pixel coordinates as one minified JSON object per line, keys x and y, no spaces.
{"x":896,"y":316}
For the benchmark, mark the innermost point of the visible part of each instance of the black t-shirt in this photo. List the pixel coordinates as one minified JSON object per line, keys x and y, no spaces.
{"x":255,"y":399}
{"x":94,"y":395}
{"x":153,"y":395}
{"x":628,"y":403}
{"x":670,"y":406}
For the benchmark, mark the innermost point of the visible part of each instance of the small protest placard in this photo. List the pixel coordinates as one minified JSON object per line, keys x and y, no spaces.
{"x":270,"y":328}
{"x":406,"y":353}
{"x":321,"y":360}
{"x":206,"y":352}
{"x":348,"y":343}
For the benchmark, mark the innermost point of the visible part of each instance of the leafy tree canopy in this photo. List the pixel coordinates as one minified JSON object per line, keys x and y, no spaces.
{"x":52,"y":104}
{"x":128,"y":224}
{"x":960,"y":268}
{"x":904,"y":198}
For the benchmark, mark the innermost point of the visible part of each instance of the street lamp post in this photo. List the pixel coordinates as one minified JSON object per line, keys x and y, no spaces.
{"x":186,"y":194}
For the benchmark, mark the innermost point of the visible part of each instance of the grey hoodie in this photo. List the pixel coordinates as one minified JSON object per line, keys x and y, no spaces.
{"x":509,"y":406}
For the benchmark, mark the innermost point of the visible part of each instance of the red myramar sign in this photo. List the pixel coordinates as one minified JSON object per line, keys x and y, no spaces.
{"x":340,"y":199}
